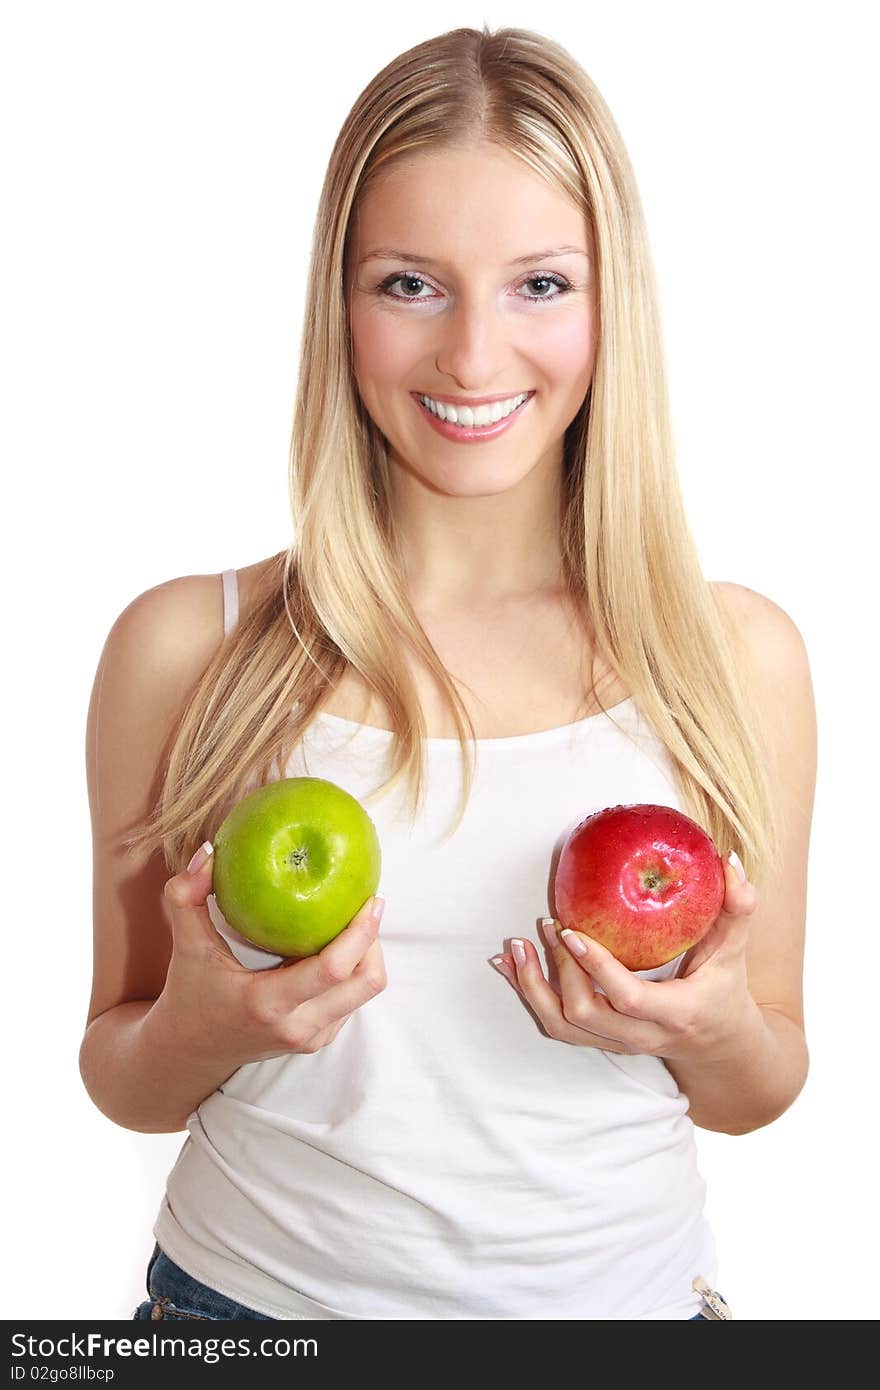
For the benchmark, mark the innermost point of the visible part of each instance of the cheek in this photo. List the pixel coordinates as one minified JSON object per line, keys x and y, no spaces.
{"x":383,"y":346}
{"x":566,"y":350}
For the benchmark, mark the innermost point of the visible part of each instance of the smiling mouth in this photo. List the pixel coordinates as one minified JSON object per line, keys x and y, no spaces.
{"x":469,"y":424}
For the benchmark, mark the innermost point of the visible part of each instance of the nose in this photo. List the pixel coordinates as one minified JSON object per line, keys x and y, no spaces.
{"x":474,"y":345}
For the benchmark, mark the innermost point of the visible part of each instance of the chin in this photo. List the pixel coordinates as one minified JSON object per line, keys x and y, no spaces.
{"x":468,"y":480}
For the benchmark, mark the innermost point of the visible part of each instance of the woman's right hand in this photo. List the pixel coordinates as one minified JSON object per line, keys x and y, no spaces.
{"x":219,"y":1006}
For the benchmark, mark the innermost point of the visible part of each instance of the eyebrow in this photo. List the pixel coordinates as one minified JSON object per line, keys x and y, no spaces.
{"x":390,"y":253}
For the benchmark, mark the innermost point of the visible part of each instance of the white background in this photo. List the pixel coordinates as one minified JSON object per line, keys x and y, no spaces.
{"x":161,"y":168}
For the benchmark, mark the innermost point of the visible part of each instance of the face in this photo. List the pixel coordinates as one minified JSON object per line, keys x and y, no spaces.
{"x":471,"y":311}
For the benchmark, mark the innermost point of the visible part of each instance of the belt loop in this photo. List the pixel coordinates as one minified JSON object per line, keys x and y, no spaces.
{"x":715,"y":1308}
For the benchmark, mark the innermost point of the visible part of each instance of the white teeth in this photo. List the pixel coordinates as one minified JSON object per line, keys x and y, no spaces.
{"x":471,"y":418}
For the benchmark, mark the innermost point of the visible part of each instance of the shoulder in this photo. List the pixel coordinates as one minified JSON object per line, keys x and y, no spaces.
{"x":780,"y":681}
{"x":770,"y":636}
{"x":152,"y":658}
{"x":176,"y":621}
{"x":180,"y":621}
{"x":159,"y":646}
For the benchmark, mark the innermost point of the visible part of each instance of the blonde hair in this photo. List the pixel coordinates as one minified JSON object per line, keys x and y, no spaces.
{"x":337,"y":599}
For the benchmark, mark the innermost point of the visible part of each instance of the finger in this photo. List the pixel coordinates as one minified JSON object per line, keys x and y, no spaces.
{"x":581,"y":1002}
{"x":730,"y":930}
{"x":328,"y":1008}
{"x":504,"y":966}
{"x":574,"y":980}
{"x":631,"y":1008}
{"x":347,"y":968}
{"x":583,"y":1005}
{"x":727,"y":934}
{"x":326,"y":1035}
{"x":191,"y":886}
{"x":546,"y":1004}
{"x":740,"y":896}
{"x":337,"y":960}
{"x":186,"y":894}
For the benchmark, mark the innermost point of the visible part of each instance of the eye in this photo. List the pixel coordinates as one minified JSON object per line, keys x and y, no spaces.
{"x":385,"y":287}
{"x":549,"y":279}
{"x":408,"y":278}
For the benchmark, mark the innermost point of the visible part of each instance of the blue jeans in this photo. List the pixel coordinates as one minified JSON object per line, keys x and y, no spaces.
{"x":176,"y":1295}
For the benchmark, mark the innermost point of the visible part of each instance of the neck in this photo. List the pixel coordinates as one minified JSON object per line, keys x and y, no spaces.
{"x":479,"y":550}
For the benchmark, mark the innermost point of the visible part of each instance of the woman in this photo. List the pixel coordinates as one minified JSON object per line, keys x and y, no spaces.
{"x":383,"y":1130}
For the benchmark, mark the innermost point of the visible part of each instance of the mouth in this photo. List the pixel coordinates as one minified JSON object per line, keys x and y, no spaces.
{"x":473,"y":433}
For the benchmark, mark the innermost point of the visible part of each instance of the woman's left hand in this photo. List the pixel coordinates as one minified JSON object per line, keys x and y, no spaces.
{"x":692,"y":1015}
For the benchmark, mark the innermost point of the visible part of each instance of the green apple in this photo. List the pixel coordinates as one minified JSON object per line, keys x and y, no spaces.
{"x":294,"y":862}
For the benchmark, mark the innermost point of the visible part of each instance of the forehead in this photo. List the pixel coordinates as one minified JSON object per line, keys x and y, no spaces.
{"x":477,"y":201}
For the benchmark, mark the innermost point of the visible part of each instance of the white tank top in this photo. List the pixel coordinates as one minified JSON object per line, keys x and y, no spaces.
{"x":443,"y":1157}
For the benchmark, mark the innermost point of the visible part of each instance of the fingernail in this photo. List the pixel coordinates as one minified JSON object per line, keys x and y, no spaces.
{"x":378,"y":908}
{"x":500,"y":964}
{"x":199,"y":857}
{"x":734,"y":859}
{"x":519,"y":952}
{"x":550,"y":934}
{"x":573,"y":942}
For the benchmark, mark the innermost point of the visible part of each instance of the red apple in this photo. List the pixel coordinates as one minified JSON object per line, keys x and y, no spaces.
{"x":645,"y":881}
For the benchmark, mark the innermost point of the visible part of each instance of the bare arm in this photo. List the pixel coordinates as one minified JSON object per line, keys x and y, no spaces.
{"x":155,"y":652}
{"x":753,"y":1082}
{"x":140,"y":1072}
{"x":756,"y":1080}
{"x":172,"y":1013}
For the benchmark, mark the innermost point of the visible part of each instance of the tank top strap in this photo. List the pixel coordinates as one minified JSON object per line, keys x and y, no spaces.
{"x":230,"y":601}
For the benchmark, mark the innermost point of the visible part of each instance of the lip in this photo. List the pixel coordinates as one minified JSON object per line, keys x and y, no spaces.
{"x":459,"y":434}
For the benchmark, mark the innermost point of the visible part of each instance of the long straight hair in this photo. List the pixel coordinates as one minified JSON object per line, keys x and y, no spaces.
{"x":337,"y":598}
